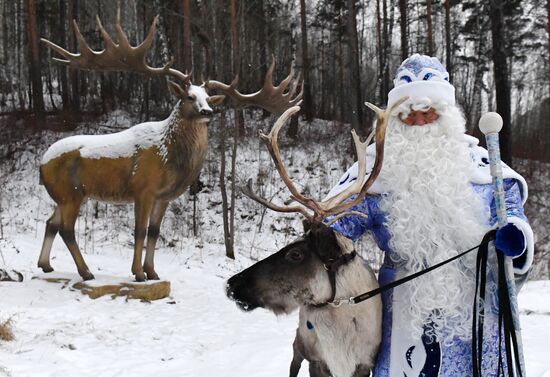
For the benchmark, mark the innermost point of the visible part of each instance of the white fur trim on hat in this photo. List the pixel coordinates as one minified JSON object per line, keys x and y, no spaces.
{"x":436,"y":91}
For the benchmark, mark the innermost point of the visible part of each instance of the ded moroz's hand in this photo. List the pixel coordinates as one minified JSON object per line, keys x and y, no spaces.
{"x":510,"y":240}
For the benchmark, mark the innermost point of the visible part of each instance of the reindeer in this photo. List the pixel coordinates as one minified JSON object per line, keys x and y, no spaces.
{"x":312,"y":272}
{"x":149,"y":164}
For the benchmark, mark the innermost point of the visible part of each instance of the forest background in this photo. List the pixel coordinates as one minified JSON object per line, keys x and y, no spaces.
{"x":497,"y":54}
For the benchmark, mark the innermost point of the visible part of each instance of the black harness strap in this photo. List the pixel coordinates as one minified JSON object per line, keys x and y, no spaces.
{"x":333,"y":266}
{"x":506,"y":326}
{"x":374,"y":292}
{"x":479,"y":303}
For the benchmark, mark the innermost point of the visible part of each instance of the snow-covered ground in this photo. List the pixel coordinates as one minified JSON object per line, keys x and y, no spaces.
{"x":197,"y":331}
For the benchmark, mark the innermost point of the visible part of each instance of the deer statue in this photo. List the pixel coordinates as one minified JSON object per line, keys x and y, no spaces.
{"x":149,"y":164}
{"x":318,"y":271}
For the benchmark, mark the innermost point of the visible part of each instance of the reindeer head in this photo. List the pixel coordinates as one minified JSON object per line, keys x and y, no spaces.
{"x":297,"y":274}
{"x":294,"y":276}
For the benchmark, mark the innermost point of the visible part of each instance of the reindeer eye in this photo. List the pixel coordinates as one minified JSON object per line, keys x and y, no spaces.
{"x":190,"y":98}
{"x":294,"y":256}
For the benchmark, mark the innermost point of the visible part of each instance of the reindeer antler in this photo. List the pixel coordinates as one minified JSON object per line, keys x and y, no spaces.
{"x":336,"y":204}
{"x":275,"y":99}
{"x":115,"y":57}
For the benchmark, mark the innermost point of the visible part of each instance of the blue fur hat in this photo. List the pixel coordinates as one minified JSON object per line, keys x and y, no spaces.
{"x":419,"y":77}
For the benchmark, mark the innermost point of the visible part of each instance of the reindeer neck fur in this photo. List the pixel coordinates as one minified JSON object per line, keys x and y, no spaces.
{"x":181,"y":137}
{"x":347,"y":336}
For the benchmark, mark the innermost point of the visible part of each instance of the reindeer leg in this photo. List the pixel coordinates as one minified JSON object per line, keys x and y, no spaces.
{"x":143,"y":208}
{"x":318,"y":369}
{"x":69,"y":213}
{"x":297,"y":357}
{"x":152,"y":236}
{"x":52,"y":227}
{"x":362,"y":371}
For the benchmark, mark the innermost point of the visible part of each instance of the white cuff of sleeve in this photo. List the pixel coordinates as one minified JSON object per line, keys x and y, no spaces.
{"x":529,"y":244}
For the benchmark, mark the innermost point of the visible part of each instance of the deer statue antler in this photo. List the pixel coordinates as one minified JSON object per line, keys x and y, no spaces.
{"x":338,"y":204}
{"x":275,"y":99}
{"x":115,"y":57}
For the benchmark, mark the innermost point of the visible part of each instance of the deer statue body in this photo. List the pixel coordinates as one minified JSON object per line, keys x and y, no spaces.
{"x":318,"y":272}
{"x":149,"y":164}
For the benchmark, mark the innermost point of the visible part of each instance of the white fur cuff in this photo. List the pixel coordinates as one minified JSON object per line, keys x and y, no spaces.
{"x":436,"y":91}
{"x":529,"y":244}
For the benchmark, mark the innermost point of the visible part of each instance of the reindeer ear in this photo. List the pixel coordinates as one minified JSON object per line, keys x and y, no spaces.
{"x":177,"y":89}
{"x":324,"y":240}
{"x":306,"y":223}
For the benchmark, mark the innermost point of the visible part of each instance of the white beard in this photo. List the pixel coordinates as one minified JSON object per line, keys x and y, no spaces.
{"x":432,"y":215}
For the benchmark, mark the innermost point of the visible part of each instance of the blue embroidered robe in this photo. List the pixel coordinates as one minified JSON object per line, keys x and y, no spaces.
{"x":424,"y":357}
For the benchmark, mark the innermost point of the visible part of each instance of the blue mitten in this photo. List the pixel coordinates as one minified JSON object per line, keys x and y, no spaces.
{"x":510,"y":240}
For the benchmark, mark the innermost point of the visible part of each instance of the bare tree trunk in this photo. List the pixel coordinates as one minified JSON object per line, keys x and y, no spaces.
{"x":233,"y":209}
{"x":187,"y":49}
{"x":73,"y":73}
{"x":308,"y":110}
{"x":227,"y":235}
{"x":235,"y":59}
{"x":380,"y":53}
{"x":502,"y":80}
{"x":548,"y":31}
{"x":342,"y":80}
{"x":36,"y":78}
{"x":386,"y":48}
{"x":229,"y":210}
{"x":307,"y":104}
{"x":404,"y":31}
{"x":430,"y":48}
{"x":235,"y":55}
{"x":448,"y":39}
{"x":262,"y":39}
{"x":19,"y":55}
{"x":354,"y":72}
{"x":62,"y":70}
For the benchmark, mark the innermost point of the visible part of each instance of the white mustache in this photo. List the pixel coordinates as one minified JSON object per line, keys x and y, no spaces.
{"x":417,"y":104}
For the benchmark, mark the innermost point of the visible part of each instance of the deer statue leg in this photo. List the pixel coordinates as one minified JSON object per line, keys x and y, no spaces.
{"x":144,"y":206}
{"x":69,"y":213}
{"x":152,"y":235}
{"x":52,"y":227}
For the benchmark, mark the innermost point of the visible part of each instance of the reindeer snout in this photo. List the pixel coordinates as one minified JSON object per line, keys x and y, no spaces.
{"x":238,"y":290}
{"x":206,"y":111}
{"x":232,"y":286}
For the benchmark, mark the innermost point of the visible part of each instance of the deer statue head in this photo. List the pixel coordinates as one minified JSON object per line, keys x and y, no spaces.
{"x":194,"y":100}
{"x":149,"y":164}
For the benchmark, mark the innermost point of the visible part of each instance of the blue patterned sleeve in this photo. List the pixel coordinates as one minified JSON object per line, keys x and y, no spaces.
{"x":516,"y":216}
{"x":514,"y":206}
{"x":354,"y":226}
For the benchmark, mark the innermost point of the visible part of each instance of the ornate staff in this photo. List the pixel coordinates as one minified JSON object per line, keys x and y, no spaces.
{"x":490,"y":124}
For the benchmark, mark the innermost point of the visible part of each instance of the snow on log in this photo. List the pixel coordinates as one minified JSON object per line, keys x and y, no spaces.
{"x":112,"y":286}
